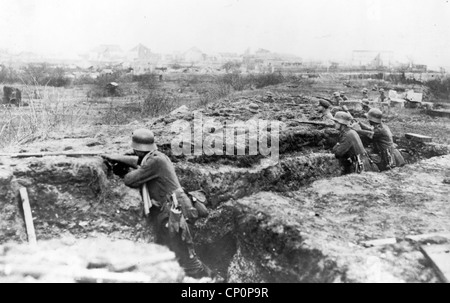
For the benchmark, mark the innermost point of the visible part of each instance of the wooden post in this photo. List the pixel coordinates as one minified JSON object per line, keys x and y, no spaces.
{"x":28,"y":216}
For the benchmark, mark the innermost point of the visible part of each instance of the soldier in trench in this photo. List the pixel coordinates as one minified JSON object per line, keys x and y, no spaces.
{"x":170,"y":209}
{"x":337,"y":98}
{"x":365,"y":94}
{"x":381,"y":138}
{"x":324,"y":109}
{"x":350,"y":151}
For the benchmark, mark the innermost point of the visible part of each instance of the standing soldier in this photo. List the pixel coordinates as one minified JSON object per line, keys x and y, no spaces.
{"x":350,"y":150}
{"x":381,"y":138}
{"x":170,"y":208}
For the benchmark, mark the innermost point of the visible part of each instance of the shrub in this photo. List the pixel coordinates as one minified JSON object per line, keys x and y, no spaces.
{"x":159,"y":103}
{"x":43,"y":74}
{"x":235,"y":80}
{"x":214,"y":92}
{"x":8,"y":75}
{"x":147,"y":81}
{"x":439,"y":87}
{"x":268,"y":79}
{"x":231,"y":66}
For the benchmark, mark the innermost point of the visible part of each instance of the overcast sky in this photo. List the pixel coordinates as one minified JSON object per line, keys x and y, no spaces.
{"x":322,"y":29}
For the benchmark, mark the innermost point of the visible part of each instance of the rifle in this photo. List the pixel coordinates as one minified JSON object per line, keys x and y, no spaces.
{"x":324,"y":124}
{"x":51,"y":154}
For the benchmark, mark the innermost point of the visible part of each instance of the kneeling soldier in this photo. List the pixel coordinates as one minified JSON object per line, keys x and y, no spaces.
{"x":350,"y":150}
{"x":381,"y":139}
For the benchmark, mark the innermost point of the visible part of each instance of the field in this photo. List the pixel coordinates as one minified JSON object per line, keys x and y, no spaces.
{"x":295,"y":220}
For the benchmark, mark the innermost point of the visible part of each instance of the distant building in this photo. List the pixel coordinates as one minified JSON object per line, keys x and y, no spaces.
{"x":194,"y":55}
{"x":264,"y":60}
{"x":106,"y":54}
{"x":141,"y":59}
{"x":372,"y":59}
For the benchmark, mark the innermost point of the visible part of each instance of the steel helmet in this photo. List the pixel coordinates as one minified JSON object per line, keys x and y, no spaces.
{"x":336,"y":94}
{"x":365,"y":90}
{"x":375,"y":115}
{"x":342,"y":118}
{"x":143,"y":140}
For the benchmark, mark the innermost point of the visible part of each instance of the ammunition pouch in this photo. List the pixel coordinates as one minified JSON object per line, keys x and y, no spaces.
{"x":388,"y":158}
{"x":185,"y":204}
{"x":198,"y":199}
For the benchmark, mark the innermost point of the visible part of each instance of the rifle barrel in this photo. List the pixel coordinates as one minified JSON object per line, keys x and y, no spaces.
{"x":49,"y":154}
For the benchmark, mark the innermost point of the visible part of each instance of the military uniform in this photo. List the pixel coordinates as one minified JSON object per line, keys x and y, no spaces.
{"x":351,"y":153}
{"x":383,"y":145}
{"x":158,"y":174}
{"x":338,"y":100}
{"x":327,"y":116}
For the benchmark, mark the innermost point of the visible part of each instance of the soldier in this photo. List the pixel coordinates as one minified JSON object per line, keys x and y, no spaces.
{"x":324,"y":109}
{"x":337,"y":98}
{"x":170,"y":208}
{"x":383,"y":97}
{"x":350,"y":150}
{"x":381,"y":139}
{"x":365,"y":93}
{"x":366,"y":107}
{"x":343,"y":96}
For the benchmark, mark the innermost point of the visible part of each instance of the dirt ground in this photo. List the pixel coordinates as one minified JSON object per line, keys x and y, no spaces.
{"x":292,"y":221}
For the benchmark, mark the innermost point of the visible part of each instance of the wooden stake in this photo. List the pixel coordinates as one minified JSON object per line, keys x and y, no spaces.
{"x":28,"y":216}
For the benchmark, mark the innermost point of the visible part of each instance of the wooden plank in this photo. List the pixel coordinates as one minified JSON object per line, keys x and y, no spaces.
{"x":439,"y":256}
{"x":427,"y":236}
{"x":379,"y":242}
{"x":439,"y":113}
{"x":417,"y":137}
{"x":28,"y":216}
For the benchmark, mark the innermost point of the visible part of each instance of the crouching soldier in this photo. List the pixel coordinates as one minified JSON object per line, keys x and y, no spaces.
{"x":381,"y":139}
{"x":168,"y":207}
{"x":350,"y":150}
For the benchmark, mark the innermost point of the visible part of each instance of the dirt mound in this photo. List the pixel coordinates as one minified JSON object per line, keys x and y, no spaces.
{"x":93,"y":260}
{"x":317,"y":234}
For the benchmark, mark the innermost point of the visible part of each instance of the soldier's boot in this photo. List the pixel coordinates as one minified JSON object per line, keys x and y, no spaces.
{"x":197,"y":269}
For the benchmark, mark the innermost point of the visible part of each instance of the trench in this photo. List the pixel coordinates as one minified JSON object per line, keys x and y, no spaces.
{"x":83,"y":197}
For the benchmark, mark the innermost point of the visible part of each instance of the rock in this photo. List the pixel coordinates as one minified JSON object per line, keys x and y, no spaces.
{"x":92,"y":143}
{"x":169,"y":120}
{"x":94,"y":260}
{"x":182,"y":109}
{"x":397,"y":103}
{"x":253,"y":106}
